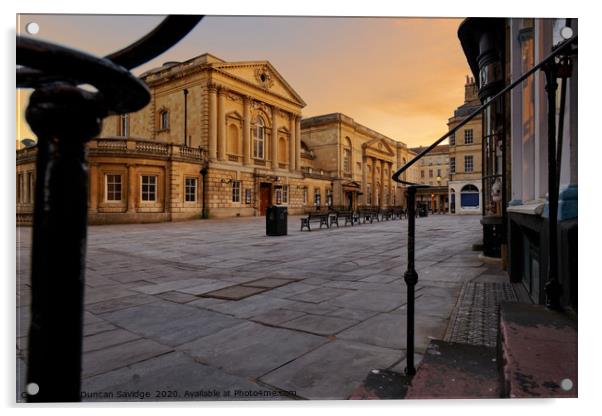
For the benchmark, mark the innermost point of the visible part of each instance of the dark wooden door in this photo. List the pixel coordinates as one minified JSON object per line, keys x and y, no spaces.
{"x":265,"y":197}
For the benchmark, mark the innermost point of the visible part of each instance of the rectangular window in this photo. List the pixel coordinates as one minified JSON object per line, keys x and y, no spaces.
{"x":468,"y":163}
{"x":235,"y":191}
{"x":468,"y":136}
{"x":452,"y":139}
{"x":190,"y":189}
{"x":124,"y":125}
{"x":329,"y":197}
{"x":452,"y":164}
{"x":278,"y":192}
{"x":438,"y":172}
{"x":430,"y":173}
{"x":347,"y":160}
{"x":317,"y":196}
{"x":113,"y":187}
{"x":305,"y":196}
{"x":285,"y":194}
{"x":422,"y":174}
{"x":149,"y":188}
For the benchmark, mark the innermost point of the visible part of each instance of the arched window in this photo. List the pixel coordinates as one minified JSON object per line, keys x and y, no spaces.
{"x":282,"y":150}
{"x":259,"y":138}
{"x":347,"y":163}
{"x":232,"y":147}
{"x":164,"y":120}
{"x":469,"y":196}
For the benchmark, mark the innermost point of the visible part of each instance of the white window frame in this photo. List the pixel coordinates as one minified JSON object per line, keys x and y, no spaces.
{"x":468,"y":163}
{"x":188,"y":188}
{"x":107,"y":183}
{"x":236,"y":186}
{"x":468,"y":136}
{"x":452,"y":165}
{"x":152,"y":190}
{"x":259,"y":139}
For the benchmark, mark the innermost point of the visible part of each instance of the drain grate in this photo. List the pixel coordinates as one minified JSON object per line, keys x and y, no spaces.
{"x":475,"y":320}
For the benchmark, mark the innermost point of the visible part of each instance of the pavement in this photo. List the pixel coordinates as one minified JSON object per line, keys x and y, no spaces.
{"x":216,"y":310}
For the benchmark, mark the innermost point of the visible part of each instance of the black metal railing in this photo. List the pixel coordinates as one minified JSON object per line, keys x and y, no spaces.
{"x":65,"y":117}
{"x":553,"y":70}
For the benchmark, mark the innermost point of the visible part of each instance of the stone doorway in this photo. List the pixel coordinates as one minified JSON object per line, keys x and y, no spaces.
{"x":265,"y":197}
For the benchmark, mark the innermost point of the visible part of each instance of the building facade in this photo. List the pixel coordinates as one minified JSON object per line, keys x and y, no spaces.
{"x":465,"y":174}
{"x":224,"y":139}
{"x":515,"y":149}
{"x":433,"y":169}
{"x":359,"y":160}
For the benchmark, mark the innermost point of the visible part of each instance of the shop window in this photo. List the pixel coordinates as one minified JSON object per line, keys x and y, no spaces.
{"x":469,"y":197}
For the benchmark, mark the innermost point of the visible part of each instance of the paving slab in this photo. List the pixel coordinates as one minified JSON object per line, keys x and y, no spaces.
{"x":251,"y":349}
{"x":170,"y":323}
{"x":107,"y":339}
{"x":169,"y":286}
{"x":370,"y":300}
{"x":235,"y":292}
{"x":177,"y":297}
{"x":320,"y":325}
{"x":207,"y":287}
{"x":120,"y":303}
{"x":332,"y":371}
{"x":252,"y":306}
{"x":277,"y":316}
{"x":268,"y":282}
{"x":173,"y":376}
{"x":320,"y":295}
{"x":117,"y":356}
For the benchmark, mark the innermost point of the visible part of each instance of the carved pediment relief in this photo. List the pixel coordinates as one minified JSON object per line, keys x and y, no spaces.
{"x":379,"y":148}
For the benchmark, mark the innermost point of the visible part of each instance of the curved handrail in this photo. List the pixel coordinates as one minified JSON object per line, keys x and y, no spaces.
{"x":557,"y":51}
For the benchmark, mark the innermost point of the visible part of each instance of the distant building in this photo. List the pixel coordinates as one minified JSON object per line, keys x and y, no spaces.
{"x":359,"y":160}
{"x":465,"y":173}
{"x":433,"y":170}
{"x":224,"y":139}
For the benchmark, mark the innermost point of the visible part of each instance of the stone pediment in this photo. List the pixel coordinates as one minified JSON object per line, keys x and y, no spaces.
{"x":379,"y":148}
{"x":263,"y":75}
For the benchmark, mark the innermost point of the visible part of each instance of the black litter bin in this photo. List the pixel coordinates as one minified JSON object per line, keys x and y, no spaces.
{"x":276,"y":221}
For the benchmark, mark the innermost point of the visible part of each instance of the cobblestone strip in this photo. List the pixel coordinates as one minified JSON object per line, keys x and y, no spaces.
{"x":475,"y":318}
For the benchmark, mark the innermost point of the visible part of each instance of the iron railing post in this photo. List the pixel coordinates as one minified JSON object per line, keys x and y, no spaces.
{"x":552,"y":287}
{"x":411,"y":278}
{"x":64,"y":118}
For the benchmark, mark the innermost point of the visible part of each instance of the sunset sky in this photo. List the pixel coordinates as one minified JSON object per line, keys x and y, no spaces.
{"x":402,"y":77}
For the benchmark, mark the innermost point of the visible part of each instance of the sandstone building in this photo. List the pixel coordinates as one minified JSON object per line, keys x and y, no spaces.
{"x":465,"y":155}
{"x":433,"y":170}
{"x":223,"y":139}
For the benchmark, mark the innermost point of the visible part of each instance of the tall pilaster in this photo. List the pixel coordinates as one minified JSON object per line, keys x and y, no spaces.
{"x":381,"y":191}
{"x":365,"y":180}
{"x":246,"y":131}
{"x":221,"y":124}
{"x":132,"y":188}
{"x":297,"y":142}
{"x":292,"y":142}
{"x":391,"y":183}
{"x":212,"y":122}
{"x":93,"y":207}
{"x":374,"y":193}
{"x":274,"y":145}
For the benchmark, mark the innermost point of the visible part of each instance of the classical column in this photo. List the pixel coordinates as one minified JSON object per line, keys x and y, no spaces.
{"x":391,"y":184}
{"x":246,"y":131}
{"x":221,"y":124}
{"x":26,"y":183}
{"x":292,"y":142}
{"x":365,"y":180}
{"x":274,"y":150}
{"x":93,"y":207}
{"x":297,"y":142}
{"x":381,"y":191}
{"x":212,"y":122}
{"x":373,"y":196}
{"x":132,"y":188}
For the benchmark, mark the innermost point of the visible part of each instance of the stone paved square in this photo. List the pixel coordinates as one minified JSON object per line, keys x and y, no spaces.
{"x":333,"y":306}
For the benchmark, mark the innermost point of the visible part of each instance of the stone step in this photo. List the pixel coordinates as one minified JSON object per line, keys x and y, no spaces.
{"x":451,"y":370}
{"x":538,"y":349}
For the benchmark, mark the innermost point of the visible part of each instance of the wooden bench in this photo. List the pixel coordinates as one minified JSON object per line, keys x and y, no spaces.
{"x":315,"y":217}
